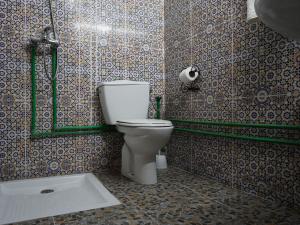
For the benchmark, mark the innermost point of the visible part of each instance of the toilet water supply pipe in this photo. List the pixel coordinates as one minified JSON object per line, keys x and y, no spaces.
{"x":237,"y":136}
{"x":157,"y":114}
{"x":235,"y":124}
{"x":232,"y":124}
{"x":61,"y":131}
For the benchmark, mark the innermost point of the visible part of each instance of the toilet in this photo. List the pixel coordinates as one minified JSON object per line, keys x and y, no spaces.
{"x":125,"y":104}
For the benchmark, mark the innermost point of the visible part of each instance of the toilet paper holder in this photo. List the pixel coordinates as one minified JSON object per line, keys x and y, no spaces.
{"x":191,"y":86}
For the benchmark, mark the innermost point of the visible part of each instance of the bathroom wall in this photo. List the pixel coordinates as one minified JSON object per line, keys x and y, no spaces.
{"x":249,"y":73}
{"x":101,"y":40}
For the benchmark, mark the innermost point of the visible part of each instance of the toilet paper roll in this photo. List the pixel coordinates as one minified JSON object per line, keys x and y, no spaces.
{"x":188,"y":76}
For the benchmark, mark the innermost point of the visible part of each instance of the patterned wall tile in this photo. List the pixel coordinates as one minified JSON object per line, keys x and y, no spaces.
{"x":248,"y":73}
{"x":177,"y":26}
{"x":180,"y":151}
{"x":212,"y":157}
{"x":207,"y":14}
{"x":96,"y":41}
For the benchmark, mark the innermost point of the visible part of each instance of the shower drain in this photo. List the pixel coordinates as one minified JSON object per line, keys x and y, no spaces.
{"x":46,"y":191}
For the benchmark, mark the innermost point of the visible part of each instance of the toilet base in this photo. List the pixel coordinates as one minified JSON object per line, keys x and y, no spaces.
{"x":139,"y":168}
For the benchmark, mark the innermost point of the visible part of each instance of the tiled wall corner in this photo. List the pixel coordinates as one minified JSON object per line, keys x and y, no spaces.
{"x":249,"y":73}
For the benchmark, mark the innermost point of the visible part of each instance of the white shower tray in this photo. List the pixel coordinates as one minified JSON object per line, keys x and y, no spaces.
{"x":43,"y":197}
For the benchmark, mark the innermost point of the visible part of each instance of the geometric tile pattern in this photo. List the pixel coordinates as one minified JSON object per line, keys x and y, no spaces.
{"x":100,"y":41}
{"x":249,"y":73}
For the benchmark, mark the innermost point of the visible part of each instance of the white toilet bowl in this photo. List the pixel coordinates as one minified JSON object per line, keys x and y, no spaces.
{"x":143,"y":138}
{"x":123,"y":101}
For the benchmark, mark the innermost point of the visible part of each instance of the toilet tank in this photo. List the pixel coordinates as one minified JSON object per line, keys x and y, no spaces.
{"x":124,"y":99}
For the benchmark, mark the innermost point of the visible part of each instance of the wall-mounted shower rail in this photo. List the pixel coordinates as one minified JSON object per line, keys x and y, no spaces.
{"x":237,"y":136}
{"x":61,"y":131}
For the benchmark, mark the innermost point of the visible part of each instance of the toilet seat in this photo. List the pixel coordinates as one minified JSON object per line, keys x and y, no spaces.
{"x":144,"y":123}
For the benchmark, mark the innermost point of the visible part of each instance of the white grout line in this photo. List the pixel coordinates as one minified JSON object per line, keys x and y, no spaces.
{"x":67,"y":59}
{"x":232,"y":92}
{"x":191,"y":63}
{"x":97,"y":75}
{"x":126,"y":44}
{"x":92,"y":76}
{"x":26,"y":31}
{"x":79,"y":43}
{"x":191,"y":32}
{"x":164,"y":63}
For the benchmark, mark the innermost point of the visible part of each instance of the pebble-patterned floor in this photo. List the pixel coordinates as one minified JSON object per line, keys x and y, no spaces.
{"x":178,"y":198}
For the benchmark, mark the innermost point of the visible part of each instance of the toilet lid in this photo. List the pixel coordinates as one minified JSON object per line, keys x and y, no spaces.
{"x":144,"y":123}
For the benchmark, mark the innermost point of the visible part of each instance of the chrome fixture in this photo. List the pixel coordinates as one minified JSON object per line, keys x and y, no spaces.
{"x":48,"y":37}
{"x":193,"y":87}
